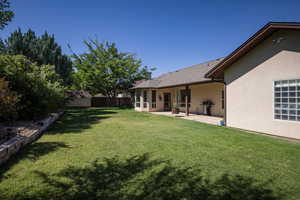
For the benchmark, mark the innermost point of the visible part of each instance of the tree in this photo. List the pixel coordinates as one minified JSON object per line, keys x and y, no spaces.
{"x":8,"y":102}
{"x":6,"y":15}
{"x":40,"y":49}
{"x":34,"y":90}
{"x":106,"y":70}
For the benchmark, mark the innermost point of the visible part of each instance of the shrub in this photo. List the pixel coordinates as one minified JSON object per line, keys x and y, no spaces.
{"x":8,"y":102}
{"x":40,"y":88}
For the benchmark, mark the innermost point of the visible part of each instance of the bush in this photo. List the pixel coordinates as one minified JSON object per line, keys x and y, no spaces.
{"x":40,"y":88}
{"x":8,"y":102}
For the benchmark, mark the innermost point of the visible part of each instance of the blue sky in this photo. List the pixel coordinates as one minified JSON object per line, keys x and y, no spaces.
{"x":165,"y":34}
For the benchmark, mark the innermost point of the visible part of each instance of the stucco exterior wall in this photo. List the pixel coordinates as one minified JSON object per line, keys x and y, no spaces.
{"x":160,"y":98}
{"x":199,"y":93}
{"x":250,"y":82}
{"x":203,"y":92}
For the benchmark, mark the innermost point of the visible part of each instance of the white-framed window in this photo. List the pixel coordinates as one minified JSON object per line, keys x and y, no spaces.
{"x":183,"y":93}
{"x":287,"y":100}
{"x":153,"y":99}
{"x":223,"y":99}
{"x":138,"y":99}
{"x":145,"y":97}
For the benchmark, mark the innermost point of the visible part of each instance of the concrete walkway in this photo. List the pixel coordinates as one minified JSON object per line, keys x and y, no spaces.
{"x":200,"y":118}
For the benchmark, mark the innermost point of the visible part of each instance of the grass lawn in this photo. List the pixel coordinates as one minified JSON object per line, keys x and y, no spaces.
{"x":122,"y":154}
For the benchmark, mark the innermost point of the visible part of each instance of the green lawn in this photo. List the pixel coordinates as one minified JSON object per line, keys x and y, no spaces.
{"x":123,"y":154}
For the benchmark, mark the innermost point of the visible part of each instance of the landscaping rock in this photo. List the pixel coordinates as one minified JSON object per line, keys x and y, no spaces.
{"x":12,"y":139}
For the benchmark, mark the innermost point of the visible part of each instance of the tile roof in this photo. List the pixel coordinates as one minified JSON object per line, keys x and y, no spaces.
{"x":188,"y":75}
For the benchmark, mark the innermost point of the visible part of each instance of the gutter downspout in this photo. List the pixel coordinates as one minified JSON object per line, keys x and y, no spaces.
{"x":225,"y":103}
{"x":225,"y":99}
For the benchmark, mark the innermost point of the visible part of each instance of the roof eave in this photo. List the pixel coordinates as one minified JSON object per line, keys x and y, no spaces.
{"x":134,"y":88}
{"x":181,"y":84}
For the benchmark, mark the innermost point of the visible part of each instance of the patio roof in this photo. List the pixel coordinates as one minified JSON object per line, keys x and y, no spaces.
{"x":189,"y":75}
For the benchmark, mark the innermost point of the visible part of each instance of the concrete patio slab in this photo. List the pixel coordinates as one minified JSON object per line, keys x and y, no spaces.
{"x":200,"y":118}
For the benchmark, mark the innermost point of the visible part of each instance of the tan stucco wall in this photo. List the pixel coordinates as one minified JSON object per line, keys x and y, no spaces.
{"x":199,"y":93}
{"x":159,"y":100}
{"x":209,"y":91}
{"x":250,"y":84}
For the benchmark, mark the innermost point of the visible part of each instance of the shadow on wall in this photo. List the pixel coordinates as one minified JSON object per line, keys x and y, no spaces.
{"x":139,"y":177}
{"x":31,"y":152}
{"x":76,"y":120}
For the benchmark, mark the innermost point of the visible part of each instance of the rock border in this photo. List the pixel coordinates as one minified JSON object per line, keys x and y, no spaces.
{"x":13,"y":145}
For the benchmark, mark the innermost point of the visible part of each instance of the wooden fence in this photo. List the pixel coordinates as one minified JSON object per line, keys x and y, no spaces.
{"x":80,"y":102}
{"x":111,"y":102}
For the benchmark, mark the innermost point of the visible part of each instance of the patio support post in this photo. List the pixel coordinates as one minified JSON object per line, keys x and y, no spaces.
{"x":187,"y":112}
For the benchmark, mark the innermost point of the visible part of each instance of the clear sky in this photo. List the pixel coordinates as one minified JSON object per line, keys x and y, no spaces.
{"x":166,"y":34}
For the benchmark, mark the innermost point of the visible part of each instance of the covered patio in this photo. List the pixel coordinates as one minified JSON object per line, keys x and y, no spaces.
{"x":186,"y":91}
{"x":195,"y":117}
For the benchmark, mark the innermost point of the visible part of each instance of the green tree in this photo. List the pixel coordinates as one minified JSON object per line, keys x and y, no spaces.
{"x":106,"y":70}
{"x":38,"y":88}
{"x":8,"y":102}
{"x":6,"y":14}
{"x":40,"y":49}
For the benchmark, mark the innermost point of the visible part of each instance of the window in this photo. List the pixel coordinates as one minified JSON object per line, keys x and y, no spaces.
{"x":153,"y":99}
{"x":287,"y":100}
{"x":138,"y":99}
{"x":223,"y":99}
{"x":182,"y":97}
{"x":145,"y":99}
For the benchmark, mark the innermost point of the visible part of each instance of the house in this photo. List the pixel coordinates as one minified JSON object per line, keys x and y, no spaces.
{"x":171,"y":89}
{"x":256,"y":87}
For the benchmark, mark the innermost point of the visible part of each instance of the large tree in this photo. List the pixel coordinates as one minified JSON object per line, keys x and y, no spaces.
{"x":30,"y":90}
{"x":6,"y":14}
{"x":106,"y":70}
{"x":40,"y":49}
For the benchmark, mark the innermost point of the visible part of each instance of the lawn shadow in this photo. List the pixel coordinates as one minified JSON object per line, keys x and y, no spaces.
{"x":32,"y":152}
{"x":140,"y":178}
{"x":76,"y":120}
